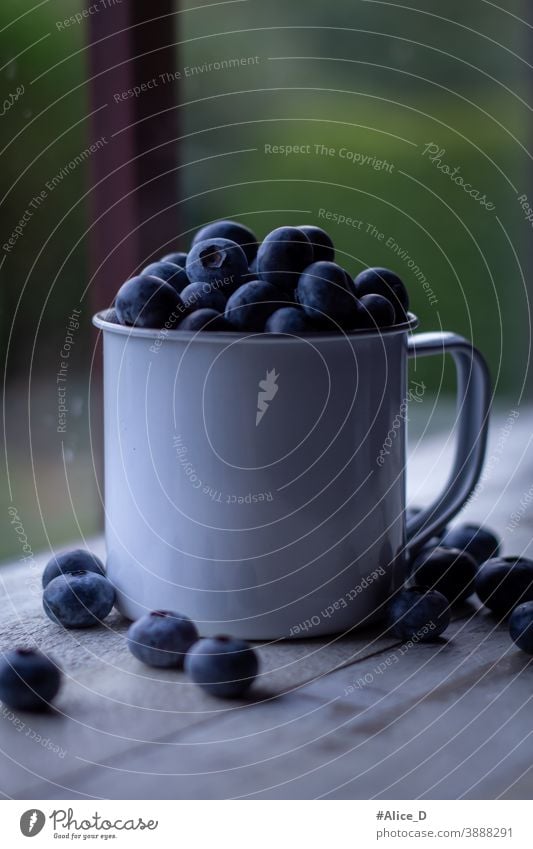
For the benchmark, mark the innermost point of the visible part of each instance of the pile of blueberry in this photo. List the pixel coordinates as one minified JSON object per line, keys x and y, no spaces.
{"x":450,"y":568}
{"x":77,"y":594}
{"x":289,"y":283}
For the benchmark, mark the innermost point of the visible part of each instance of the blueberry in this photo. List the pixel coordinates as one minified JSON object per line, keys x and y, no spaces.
{"x":251,"y":305}
{"x":162,"y":638}
{"x":178,"y":258}
{"x":283,"y":255}
{"x":72,"y":561}
{"x":223,"y":666}
{"x":323,"y":249}
{"x":448,"y":570}
{"x":375,"y":311}
{"x":169,"y":272}
{"x":29,"y":680}
{"x":419,"y":614}
{"x":325,"y":296}
{"x":505,"y":582}
{"x":233,"y":231}
{"x":198,"y":296}
{"x":219,"y":262}
{"x":111,"y":316}
{"x":147,"y":302}
{"x":521,"y":626}
{"x":292,"y":320}
{"x":381,"y":281}
{"x":78,"y":599}
{"x":477,"y":541}
{"x":204,"y":319}
{"x":252,"y":268}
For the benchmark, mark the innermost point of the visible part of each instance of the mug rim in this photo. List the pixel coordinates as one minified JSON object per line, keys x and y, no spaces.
{"x":201,"y":336}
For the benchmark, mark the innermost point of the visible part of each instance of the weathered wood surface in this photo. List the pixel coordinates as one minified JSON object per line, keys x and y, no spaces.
{"x":358,"y":717}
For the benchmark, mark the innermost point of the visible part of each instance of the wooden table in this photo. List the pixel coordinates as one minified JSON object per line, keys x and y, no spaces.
{"x":353,"y":717}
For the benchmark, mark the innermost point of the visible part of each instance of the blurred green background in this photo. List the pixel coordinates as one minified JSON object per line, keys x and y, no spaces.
{"x":378,"y":79}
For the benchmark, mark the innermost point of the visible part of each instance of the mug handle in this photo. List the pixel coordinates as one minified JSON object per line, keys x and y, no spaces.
{"x":473,"y":407}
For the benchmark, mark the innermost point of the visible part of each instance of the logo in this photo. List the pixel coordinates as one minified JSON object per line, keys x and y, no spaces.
{"x":32,"y":822}
{"x":267,"y":390}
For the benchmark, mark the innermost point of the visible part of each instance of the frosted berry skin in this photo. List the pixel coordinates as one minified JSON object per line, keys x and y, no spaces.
{"x":222,"y":666}
{"x":76,"y":560}
{"x":447,"y":570}
{"x":323,"y":248}
{"x":198,"y":296}
{"x":78,"y":599}
{"x":521,"y":626}
{"x":251,"y":305}
{"x":374,"y":312}
{"x":420,"y":615}
{"x":384,"y":282}
{"x":162,"y":638}
{"x":234,"y":232}
{"x":204,"y":319}
{"x":290,"y":320}
{"x":29,"y":680}
{"x":326,"y":297}
{"x":146,"y":301}
{"x":282,"y":256}
{"x":503,"y":583}
{"x":220,"y":263}
{"x":169,"y":272}
{"x":178,"y":258}
{"x":481,"y":543}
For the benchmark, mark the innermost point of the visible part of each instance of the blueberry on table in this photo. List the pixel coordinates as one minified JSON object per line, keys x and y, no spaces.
{"x":419,"y":614}
{"x":325,"y":296}
{"x":504,"y":582}
{"x":146,"y":301}
{"x":251,"y":305}
{"x":283,"y":255}
{"x":291,"y":320}
{"x":78,"y":599}
{"x":222,"y":666}
{"x":374,"y":312}
{"x":221,"y":263}
{"x":204,"y":319}
{"x":521,"y":626}
{"x":79,"y":559}
{"x":162,"y":638}
{"x":29,"y":680}
{"x":169,"y":272}
{"x":323,"y":248}
{"x":198,"y":296}
{"x":178,"y":258}
{"x":233,"y":231}
{"x":476,"y":540}
{"x":382,"y":281}
{"x":448,"y":570}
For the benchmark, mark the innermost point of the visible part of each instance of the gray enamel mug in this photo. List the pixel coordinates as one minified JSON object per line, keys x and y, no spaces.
{"x":256,"y":483}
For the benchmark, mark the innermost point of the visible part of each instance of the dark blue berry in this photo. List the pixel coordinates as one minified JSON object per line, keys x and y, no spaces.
{"x":171,"y":273}
{"x":374,"y":312}
{"x":382,"y":281}
{"x":197,"y":296}
{"x":418,"y":614}
{"x":521,"y":626}
{"x":111,"y":316}
{"x":505,"y":582}
{"x":178,"y":258}
{"x":147,"y":302}
{"x":323,"y":249}
{"x":283,"y":255}
{"x":448,"y":570}
{"x":162,"y":638}
{"x":78,"y":599}
{"x":324,"y":294}
{"x":29,"y":680}
{"x":79,"y":559}
{"x":220,"y":262}
{"x":251,"y":305}
{"x":477,"y":541}
{"x":292,"y":320}
{"x":223,"y":666}
{"x":233,"y":231}
{"x":204,"y":319}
